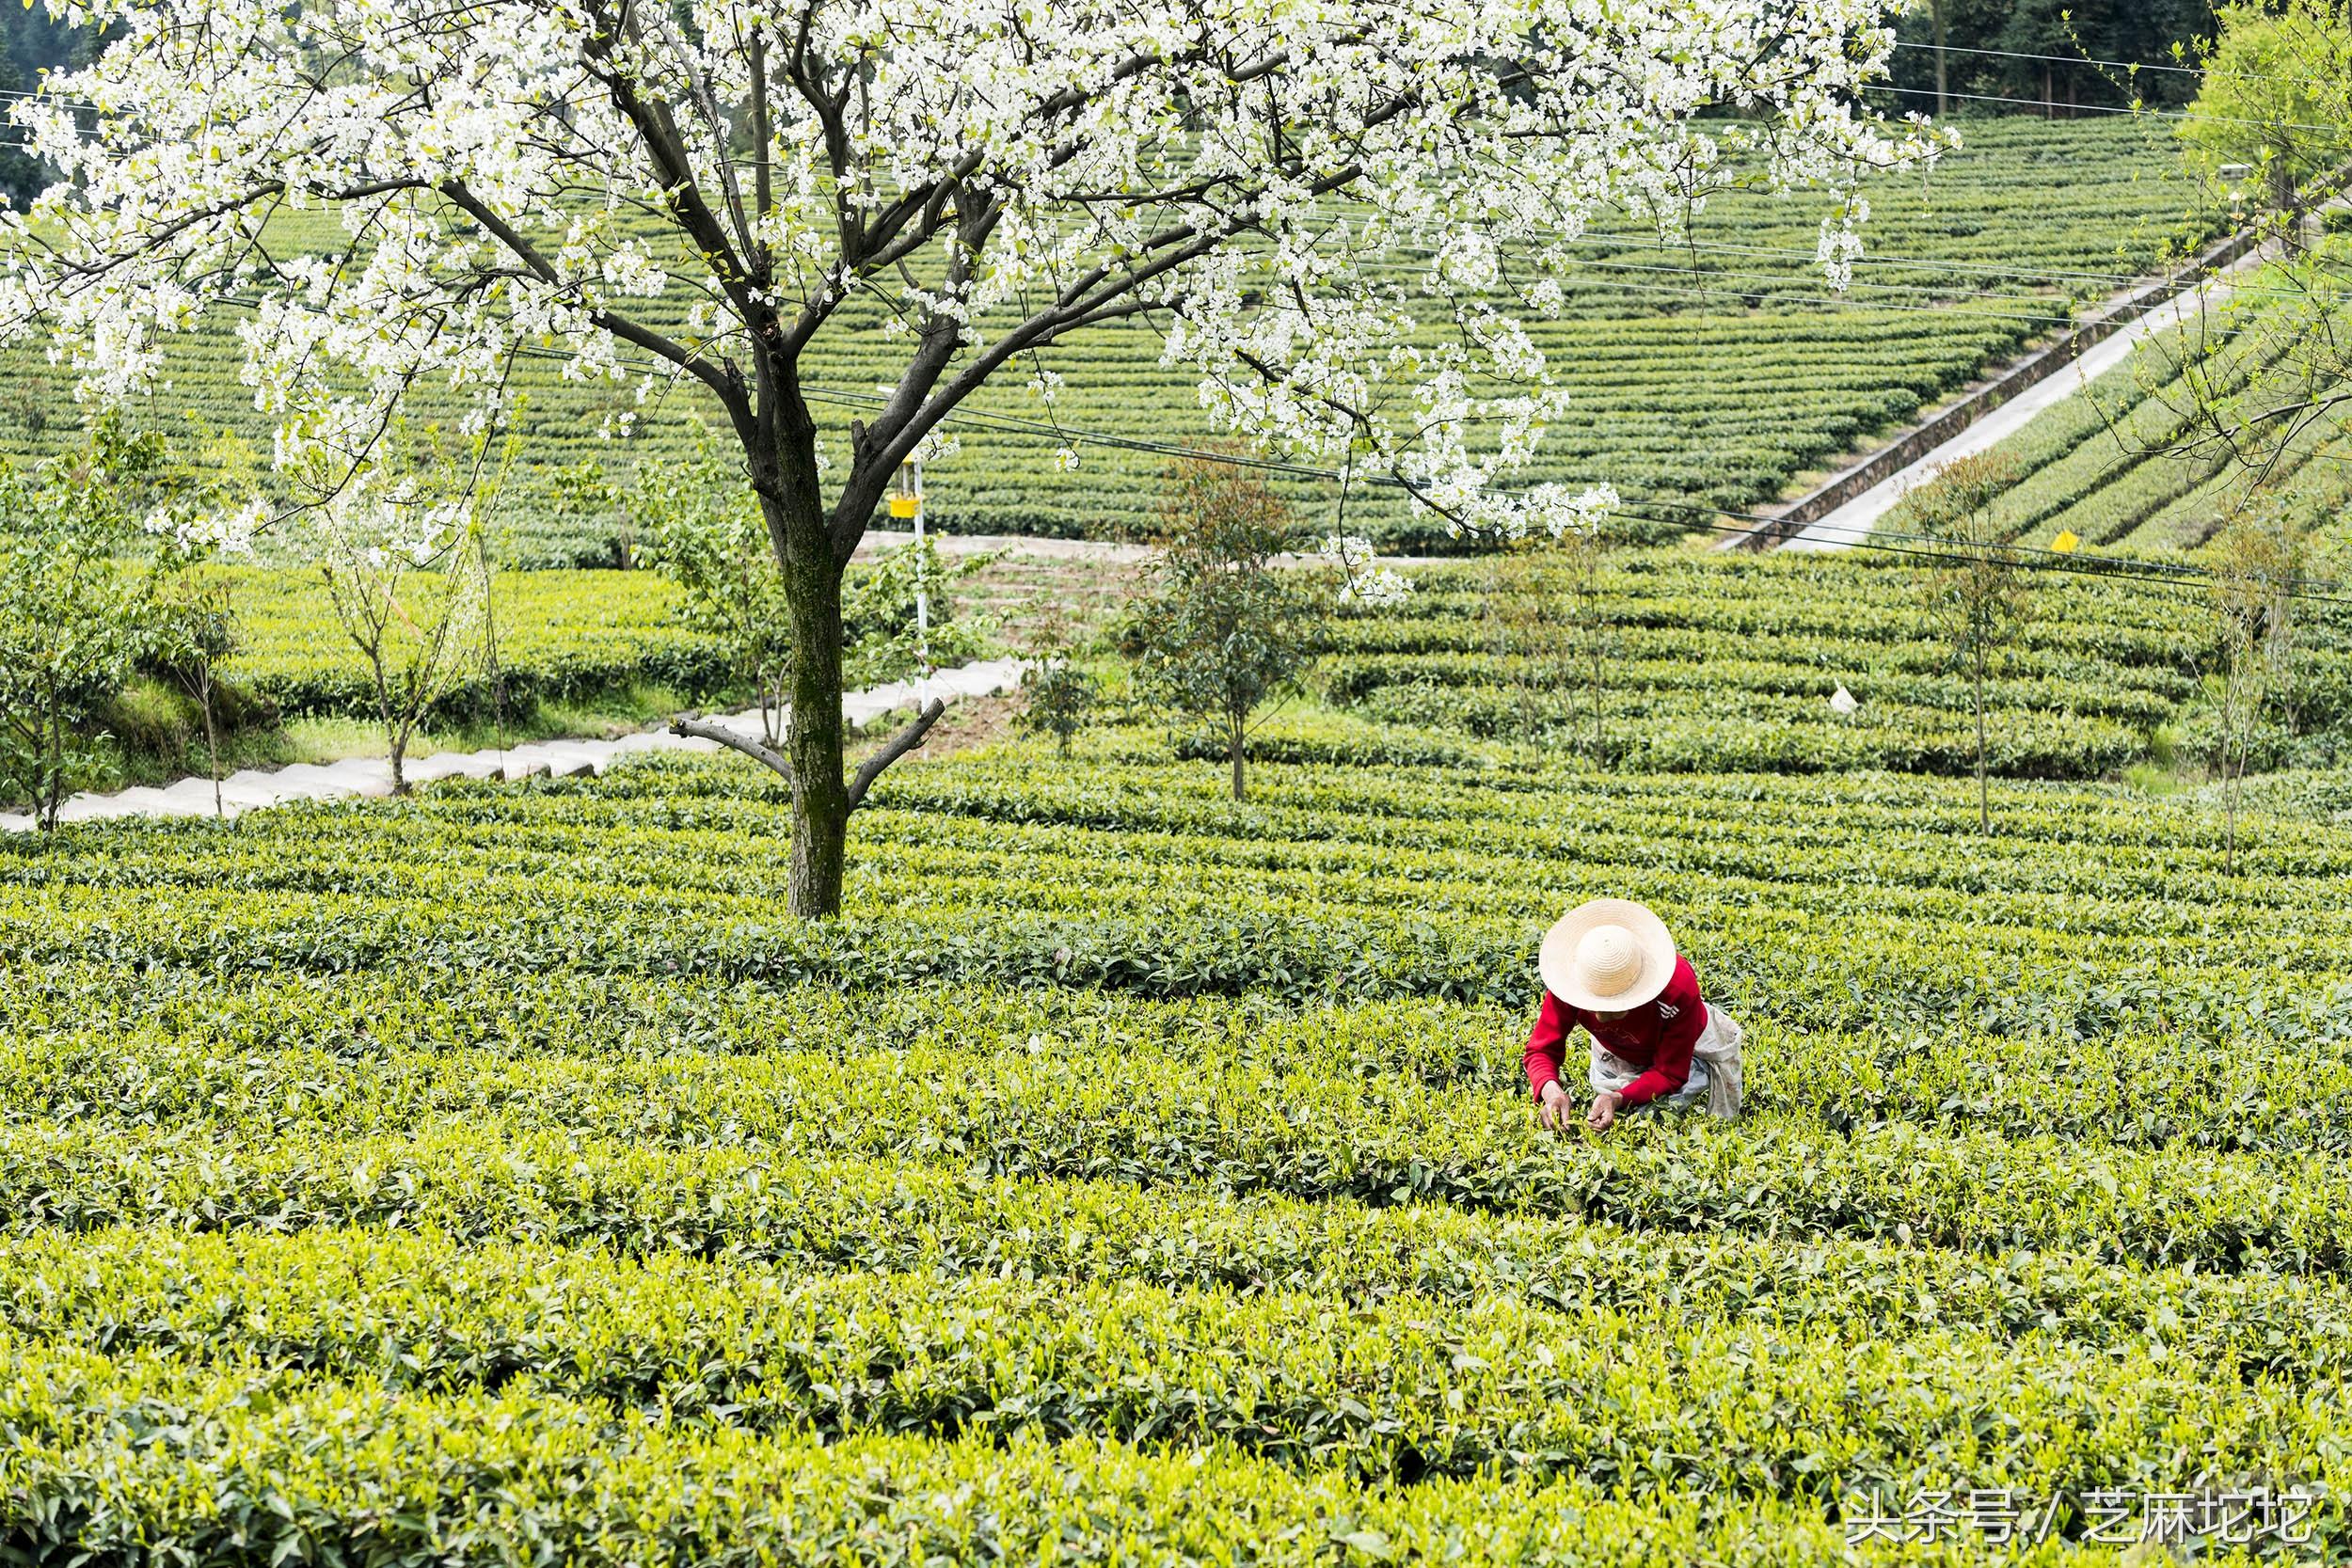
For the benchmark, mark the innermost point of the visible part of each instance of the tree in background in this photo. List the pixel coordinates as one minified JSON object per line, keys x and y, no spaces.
{"x":704,"y":532}
{"x":1224,"y":629}
{"x":2274,"y":78}
{"x":203,"y":634}
{"x":1978,"y":594}
{"x":1060,"y":696}
{"x":1548,"y":601}
{"x":2255,"y":565}
{"x":697,"y":195}
{"x":1530,"y":626}
{"x":78,"y":607}
{"x":32,"y":42}
{"x":2284,"y":71}
{"x":21,"y":175}
{"x":2040,"y":52}
{"x":887,"y":641}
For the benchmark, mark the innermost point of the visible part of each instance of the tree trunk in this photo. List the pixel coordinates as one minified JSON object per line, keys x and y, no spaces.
{"x":1984,"y":804}
{"x":1238,"y":734}
{"x":1600,"y":752}
{"x":814,"y":738}
{"x":211,"y":737}
{"x":2287,"y":199}
{"x":2228,"y":850}
{"x":52,"y":794}
{"x":1943,"y":97}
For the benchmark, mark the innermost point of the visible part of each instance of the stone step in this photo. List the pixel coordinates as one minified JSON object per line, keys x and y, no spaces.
{"x":368,"y":776}
{"x":453,"y":765}
{"x":570,"y":758}
{"x":194,"y":797}
{"x":250,"y":787}
{"x":142,"y":801}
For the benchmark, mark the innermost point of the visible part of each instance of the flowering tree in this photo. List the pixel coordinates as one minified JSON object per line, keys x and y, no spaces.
{"x":699,"y":191}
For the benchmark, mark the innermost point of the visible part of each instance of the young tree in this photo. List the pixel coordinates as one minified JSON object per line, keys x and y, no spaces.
{"x":2277,"y":99}
{"x":703,"y":193}
{"x":207,"y":514}
{"x":1061,"y":698}
{"x":1224,"y":629}
{"x":77,"y":609}
{"x":2255,"y":565}
{"x":1583,"y":559}
{"x":1552,"y":609}
{"x":1980,"y":593}
{"x":198,"y":633}
{"x":886,"y":638}
{"x":410,"y":582}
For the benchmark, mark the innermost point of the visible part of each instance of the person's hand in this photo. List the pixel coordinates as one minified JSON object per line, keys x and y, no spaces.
{"x":1604,"y":1111}
{"x":1556,"y":1108}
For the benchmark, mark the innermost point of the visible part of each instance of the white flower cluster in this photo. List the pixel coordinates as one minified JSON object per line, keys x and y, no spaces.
{"x":382,"y":529}
{"x":1363,"y":579}
{"x":196,"y":530}
{"x":1561,"y":512}
{"x":520,"y":177}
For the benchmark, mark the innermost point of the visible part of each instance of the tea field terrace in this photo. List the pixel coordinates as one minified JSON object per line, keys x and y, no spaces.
{"x":1121,"y":1119}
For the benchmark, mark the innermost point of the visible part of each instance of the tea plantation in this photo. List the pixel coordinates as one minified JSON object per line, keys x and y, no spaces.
{"x":1139,"y":1176}
{"x":1135,"y":1175}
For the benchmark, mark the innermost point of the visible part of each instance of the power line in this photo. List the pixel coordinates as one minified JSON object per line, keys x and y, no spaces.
{"x":1782,"y":282}
{"x":1880,"y":258}
{"x":2336,"y":130}
{"x":1759,"y":296}
{"x":2225,"y":74}
{"x":1684,"y":514}
{"x":2073,"y":563}
{"x":1719,"y":520}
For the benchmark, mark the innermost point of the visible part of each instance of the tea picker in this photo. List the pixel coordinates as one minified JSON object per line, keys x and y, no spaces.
{"x":1610,"y":968}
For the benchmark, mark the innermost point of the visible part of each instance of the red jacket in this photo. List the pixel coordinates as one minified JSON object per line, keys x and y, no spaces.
{"x":1656,"y":1037}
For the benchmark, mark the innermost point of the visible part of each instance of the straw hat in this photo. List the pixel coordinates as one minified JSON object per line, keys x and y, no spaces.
{"x":1609,"y":956}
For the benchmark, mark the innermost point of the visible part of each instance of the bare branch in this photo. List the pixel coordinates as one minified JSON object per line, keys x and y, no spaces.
{"x":900,"y":744}
{"x":519,"y":246}
{"x":705,"y":729}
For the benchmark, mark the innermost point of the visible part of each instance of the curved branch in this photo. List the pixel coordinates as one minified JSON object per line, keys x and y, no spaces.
{"x":900,"y":744}
{"x":703,"y":729}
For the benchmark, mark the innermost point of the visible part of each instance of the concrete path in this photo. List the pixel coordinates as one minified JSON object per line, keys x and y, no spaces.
{"x":1855,"y":520}
{"x":372,"y":776}
{"x":878,"y":540}
{"x":1109,"y":551}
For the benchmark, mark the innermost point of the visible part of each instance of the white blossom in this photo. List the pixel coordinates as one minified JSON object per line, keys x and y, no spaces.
{"x":586,"y":181}
{"x":1363,"y":579}
{"x":194,"y":530}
